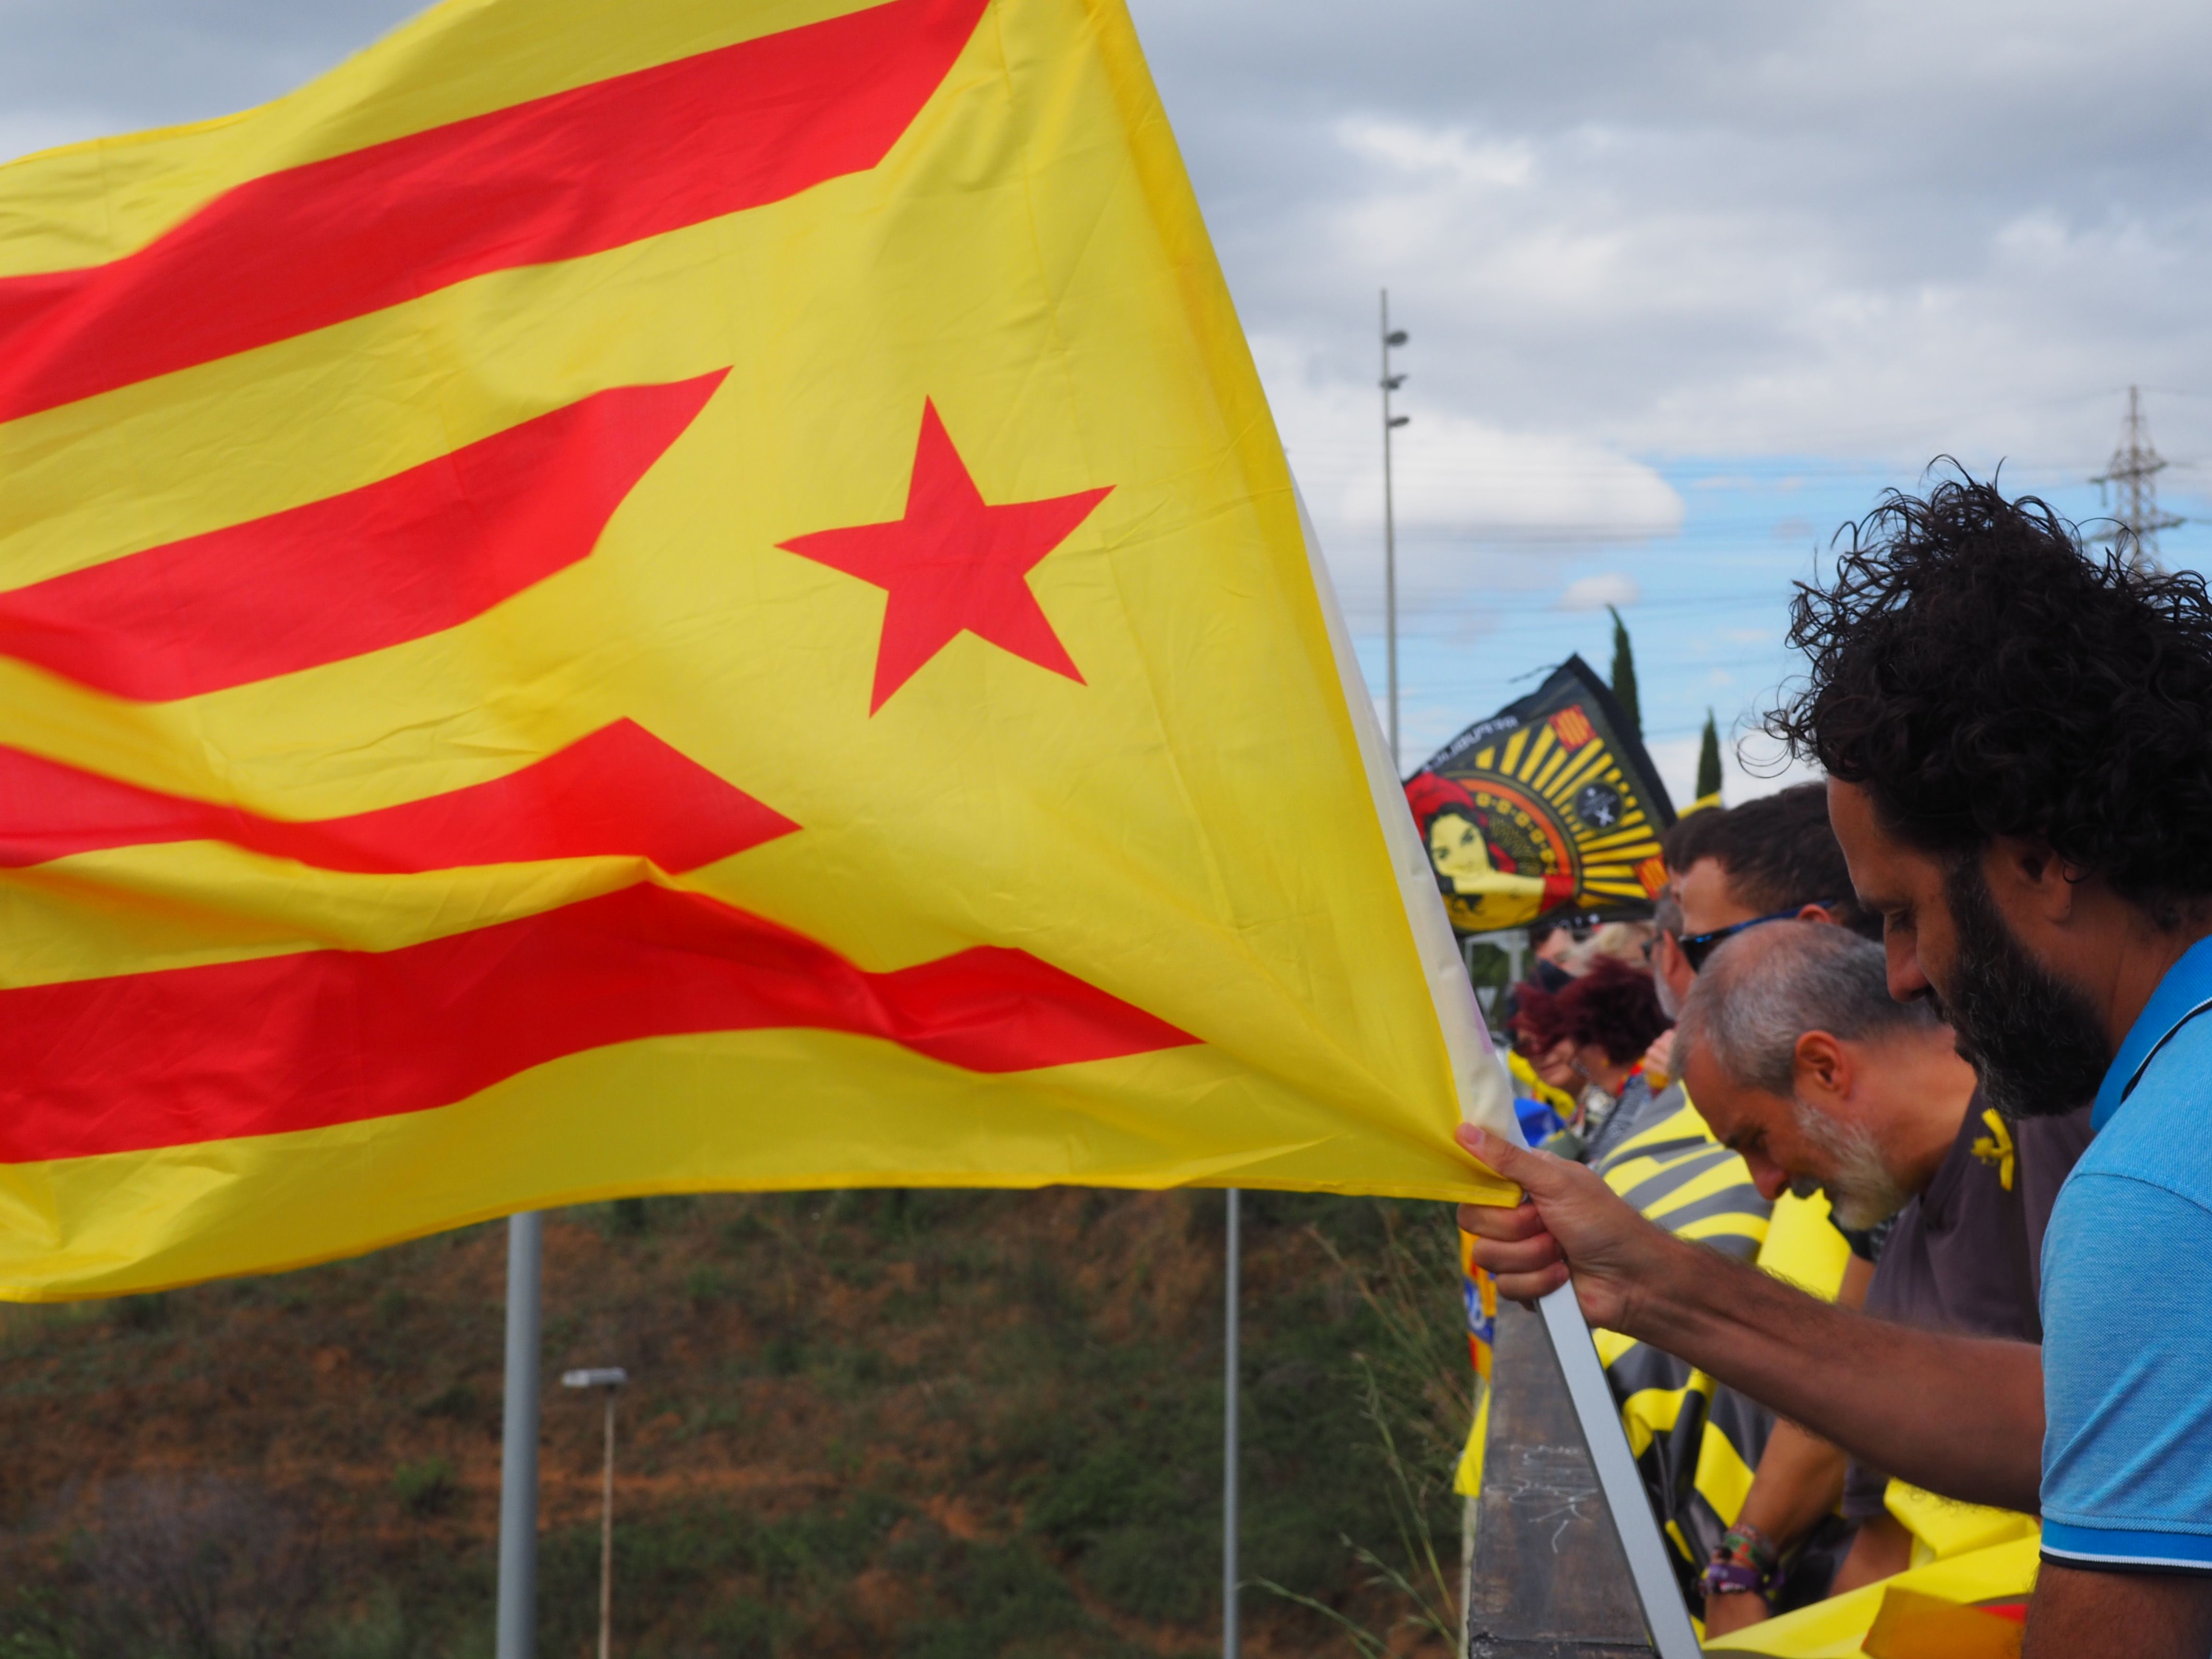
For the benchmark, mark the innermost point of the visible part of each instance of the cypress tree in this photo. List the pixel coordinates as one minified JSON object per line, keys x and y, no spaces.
{"x":1708,"y":759}
{"x":1623,"y":675}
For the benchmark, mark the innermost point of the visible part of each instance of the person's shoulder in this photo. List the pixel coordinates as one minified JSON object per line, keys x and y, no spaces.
{"x":2162,"y":1132}
{"x":1663,"y":1125}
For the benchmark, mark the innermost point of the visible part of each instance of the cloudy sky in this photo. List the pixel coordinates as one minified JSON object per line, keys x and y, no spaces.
{"x":1688,"y":285}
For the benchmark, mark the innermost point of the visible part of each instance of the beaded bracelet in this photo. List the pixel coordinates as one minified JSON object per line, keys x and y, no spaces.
{"x":1746,"y":1563}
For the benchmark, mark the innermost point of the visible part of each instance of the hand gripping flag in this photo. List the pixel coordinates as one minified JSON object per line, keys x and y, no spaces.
{"x":1548,"y":808}
{"x":631,"y":595}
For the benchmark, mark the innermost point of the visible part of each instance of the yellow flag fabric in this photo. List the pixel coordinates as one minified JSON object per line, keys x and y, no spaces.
{"x":639,"y":595}
{"x":1914,"y":1613}
{"x":1942,"y":1528}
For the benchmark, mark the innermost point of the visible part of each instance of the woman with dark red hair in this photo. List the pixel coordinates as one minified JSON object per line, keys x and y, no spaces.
{"x":1594,"y":1032}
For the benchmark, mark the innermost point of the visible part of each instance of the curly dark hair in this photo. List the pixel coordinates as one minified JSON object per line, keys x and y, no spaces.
{"x":1611,"y":1005}
{"x":1981,"y":674}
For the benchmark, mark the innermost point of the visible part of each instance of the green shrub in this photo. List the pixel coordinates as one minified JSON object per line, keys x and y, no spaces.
{"x":142,"y":1312}
{"x":429,"y":1487}
{"x":1000,"y":1594}
{"x":460,"y":1402}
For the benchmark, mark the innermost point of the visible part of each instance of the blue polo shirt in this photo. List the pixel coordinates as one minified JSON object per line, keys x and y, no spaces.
{"x":2127,"y":1304}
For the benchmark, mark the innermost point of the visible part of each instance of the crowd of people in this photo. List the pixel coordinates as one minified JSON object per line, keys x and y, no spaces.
{"x":1921,"y":1043}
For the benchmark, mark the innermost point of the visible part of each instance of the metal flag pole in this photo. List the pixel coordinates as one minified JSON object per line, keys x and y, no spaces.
{"x":517,"y":1457}
{"x":1650,"y":1567}
{"x":1231,"y":1641}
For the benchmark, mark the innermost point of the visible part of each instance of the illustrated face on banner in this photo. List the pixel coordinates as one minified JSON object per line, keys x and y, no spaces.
{"x":1464,"y":862}
{"x":1544,"y":807}
{"x":1497,"y":865}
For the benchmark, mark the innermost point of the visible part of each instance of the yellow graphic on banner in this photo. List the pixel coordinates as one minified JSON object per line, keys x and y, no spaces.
{"x":1548,"y":808}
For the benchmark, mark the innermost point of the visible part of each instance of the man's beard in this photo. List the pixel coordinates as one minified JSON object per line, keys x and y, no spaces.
{"x":2035,"y":1042}
{"x":1861,"y":1193}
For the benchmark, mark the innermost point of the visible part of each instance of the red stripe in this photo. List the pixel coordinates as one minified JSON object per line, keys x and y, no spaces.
{"x":411,"y":555}
{"x":304,"y":1042}
{"x":620,"y":790}
{"x":557,"y":178}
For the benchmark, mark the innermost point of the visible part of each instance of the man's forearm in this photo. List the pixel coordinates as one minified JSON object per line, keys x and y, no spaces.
{"x":2118,"y":1616}
{"x":1961,"y":1416}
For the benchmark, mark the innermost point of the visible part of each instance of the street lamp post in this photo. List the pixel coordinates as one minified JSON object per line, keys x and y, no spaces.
{"x":610,"y":1377}
{"x":517,"y":1629}
{"x":1232,"y":1643}
{"x":1390,"y":423}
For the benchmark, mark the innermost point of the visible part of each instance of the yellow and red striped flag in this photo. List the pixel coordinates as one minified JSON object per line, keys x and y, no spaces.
{"x":630,"y":595}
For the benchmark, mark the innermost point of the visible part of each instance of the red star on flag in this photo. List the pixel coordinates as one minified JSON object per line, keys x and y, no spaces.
{"x":954,"y":564}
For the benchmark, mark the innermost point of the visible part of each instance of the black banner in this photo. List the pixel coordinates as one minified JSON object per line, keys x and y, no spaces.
{"x":1548,"y":810}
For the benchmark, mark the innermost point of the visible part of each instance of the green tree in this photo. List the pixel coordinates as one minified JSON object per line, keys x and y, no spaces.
{"x":1623,"y":675}
{"x":1708,"y":759}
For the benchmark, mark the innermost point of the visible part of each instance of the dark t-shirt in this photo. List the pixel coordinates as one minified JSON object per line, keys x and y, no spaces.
{"x":1966,"y":1254}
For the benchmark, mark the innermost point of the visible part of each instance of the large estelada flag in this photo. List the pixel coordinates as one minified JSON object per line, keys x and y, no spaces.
{"x":630,"y":595}
{"x":1550,"y":808}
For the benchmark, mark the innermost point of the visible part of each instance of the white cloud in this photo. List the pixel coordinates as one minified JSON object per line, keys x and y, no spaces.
{"x":1744,"y":775}
{"x":1450,"y":156}
{"x":1721,"y":229}
{"x":1480,"y":508}
{"x":1595,"y":593}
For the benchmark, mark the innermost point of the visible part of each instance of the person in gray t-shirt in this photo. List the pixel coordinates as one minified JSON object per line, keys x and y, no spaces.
{"x":1966,"y":1254}
{"x":1797,"y":1057}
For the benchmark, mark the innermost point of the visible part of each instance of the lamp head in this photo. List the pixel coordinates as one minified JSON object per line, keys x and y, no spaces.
{"x":600,"y":1377}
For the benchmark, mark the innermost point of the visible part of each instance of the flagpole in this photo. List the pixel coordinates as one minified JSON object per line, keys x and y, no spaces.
{"x":518,"y":1459}
{"x":1651,"y":1568}
{"x":1231,"y":1642}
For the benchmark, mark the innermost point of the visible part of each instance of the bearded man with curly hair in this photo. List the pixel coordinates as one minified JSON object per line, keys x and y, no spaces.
{"x":2018,"y":737}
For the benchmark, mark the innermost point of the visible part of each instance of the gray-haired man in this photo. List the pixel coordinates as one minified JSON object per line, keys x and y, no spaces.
{"x":1797,"y":1057}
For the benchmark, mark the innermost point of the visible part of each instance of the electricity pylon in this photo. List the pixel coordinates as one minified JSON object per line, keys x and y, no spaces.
{"x":2133,"y":473}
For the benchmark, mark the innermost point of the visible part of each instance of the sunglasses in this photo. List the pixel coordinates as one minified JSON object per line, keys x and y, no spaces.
{"x":1696,"y":947}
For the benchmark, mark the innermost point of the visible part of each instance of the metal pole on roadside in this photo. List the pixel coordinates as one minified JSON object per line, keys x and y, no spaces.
{"x":517,"y":1636}
{"x":1231,"y":1637}
{"x":1390,"y":424}
{"x":610,"y":1377}
{"x":607,"y":1538}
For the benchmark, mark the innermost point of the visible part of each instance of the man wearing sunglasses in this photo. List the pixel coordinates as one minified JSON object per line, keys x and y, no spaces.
{"x":1730,"y":868}
{"x":1770,"y":860}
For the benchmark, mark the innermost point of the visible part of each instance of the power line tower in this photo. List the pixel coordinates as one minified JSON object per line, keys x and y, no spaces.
{"x":2133,"y":474}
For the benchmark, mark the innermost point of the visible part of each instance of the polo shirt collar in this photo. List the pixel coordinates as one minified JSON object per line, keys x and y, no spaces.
{"x":2186,"y":991}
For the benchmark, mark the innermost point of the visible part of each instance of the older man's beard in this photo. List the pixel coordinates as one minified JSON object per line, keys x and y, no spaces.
{"x":1862,"y":1192}
{"x":2035,"y":1042}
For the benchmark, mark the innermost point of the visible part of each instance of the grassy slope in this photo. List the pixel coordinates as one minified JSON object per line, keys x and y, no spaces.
{"x":929,"y":1424}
